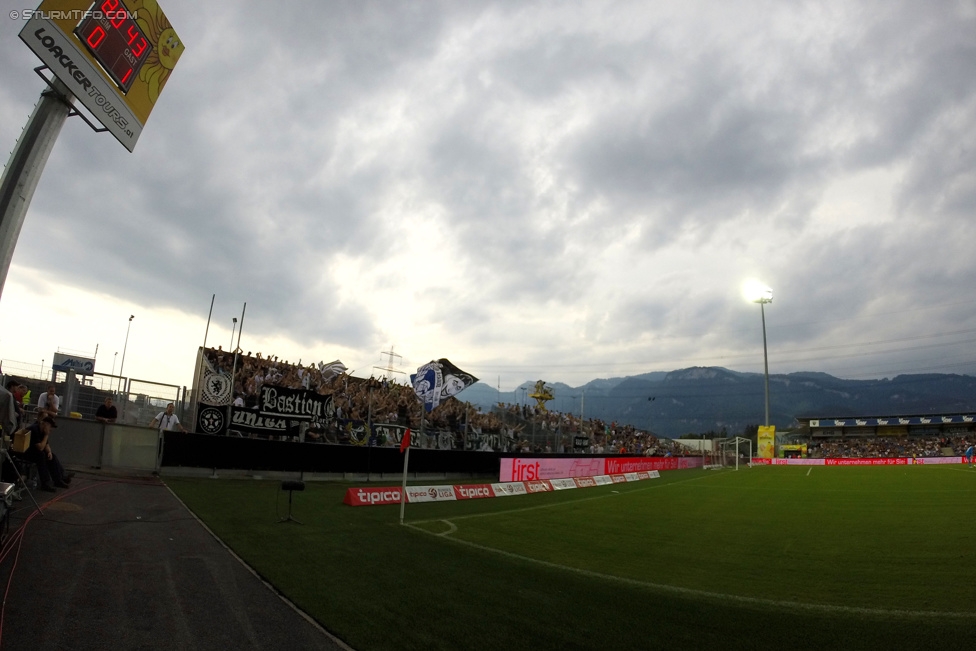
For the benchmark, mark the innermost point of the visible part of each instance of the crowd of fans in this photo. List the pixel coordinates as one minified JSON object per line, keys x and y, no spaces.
{"x":509,"y":428}
{"x":355,"y":401}
{"x":888,"y":446}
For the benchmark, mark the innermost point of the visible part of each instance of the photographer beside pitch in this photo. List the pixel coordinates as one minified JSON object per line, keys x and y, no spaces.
{"x":167,"y":420}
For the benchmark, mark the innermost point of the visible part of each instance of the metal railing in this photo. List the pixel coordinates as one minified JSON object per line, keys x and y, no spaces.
{"x":137,"y":401}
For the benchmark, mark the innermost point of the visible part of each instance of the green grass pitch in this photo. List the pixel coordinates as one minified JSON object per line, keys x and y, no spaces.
{"x":770,"y":557}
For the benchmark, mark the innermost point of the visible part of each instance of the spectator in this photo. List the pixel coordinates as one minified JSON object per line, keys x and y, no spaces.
{"x":49,"y":404}
{"x":107,"y":413}
{"x":8,"y":412}
{"x":167,"y":421}
{"x":17,"y":390}
{"x":39,"y":451}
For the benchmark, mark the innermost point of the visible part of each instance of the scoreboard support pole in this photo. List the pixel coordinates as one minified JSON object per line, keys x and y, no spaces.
{"x":26,"y":163}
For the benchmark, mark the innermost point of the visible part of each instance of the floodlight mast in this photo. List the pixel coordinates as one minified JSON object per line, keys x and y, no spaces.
{"x":27,"y":160}
{"x":763,"y":295}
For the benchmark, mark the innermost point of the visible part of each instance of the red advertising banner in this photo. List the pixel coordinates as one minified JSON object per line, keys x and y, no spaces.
{"x":473,"y":491}
{"x":521,"y":469}
{"x":874,"y":461}
{"x":375,"y":495}
{"x":537,"y":486}
{"x":866,"y":462}
{"x":372,"y":496}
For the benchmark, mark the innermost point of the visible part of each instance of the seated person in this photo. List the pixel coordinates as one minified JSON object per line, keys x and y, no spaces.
{"x":107,"y":413}
{"x":39,"y":451}
{"x":49,"y":404}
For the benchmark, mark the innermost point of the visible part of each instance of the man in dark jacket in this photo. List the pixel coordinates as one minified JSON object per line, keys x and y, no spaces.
{"x":39,"y":451}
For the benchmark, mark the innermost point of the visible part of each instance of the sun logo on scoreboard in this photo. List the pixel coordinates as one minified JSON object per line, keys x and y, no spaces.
{"x":168,"y":48}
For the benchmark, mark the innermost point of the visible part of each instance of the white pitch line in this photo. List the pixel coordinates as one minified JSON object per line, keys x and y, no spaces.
{"x":719,"y":596}
{"x":451,"y":528}
{"x":809,"y":471}
{"x":566,"y":503}
{"x":958,"y":469}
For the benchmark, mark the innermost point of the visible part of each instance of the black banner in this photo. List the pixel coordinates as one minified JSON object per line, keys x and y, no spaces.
{"x":293,"y":404}
{"x":252,"y":421}
{"x":277,"y":413}
{"x":389,"y":434}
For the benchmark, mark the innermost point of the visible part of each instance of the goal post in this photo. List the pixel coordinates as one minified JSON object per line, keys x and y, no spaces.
{"x":729,"y":451}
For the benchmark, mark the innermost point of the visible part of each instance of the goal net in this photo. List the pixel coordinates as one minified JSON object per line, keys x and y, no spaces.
{"x":732,"y":452}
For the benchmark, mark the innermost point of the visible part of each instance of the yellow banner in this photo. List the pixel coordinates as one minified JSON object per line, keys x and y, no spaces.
{"x":766,"y":442}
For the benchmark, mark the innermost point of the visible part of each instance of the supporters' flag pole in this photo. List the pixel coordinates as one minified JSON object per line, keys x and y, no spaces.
{"x":207,"y":331}
{"x":233,"y":372}
{"x":405,"y":446}
{"x":434,"y":382}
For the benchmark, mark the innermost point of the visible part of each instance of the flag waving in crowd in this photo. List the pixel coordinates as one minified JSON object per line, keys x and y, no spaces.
{"x":433,"y":383}
{"x":438,"y":380}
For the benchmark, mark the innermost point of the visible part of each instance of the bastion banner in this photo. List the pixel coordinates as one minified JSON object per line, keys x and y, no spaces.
{"x":278,"y":413}
{"x":294,"y":404}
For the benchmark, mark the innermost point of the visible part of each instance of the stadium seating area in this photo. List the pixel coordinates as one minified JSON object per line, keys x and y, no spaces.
{"x":515,"y":428}
{"x":887,"y":446}
{"x":507,"y":427}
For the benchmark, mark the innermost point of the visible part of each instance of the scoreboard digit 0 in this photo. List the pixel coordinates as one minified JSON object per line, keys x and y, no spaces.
{"x":115,"y":40}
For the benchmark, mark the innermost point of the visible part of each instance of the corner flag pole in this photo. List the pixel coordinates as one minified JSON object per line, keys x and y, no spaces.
{"x":405,"y":447}
{"x":403,"y":487}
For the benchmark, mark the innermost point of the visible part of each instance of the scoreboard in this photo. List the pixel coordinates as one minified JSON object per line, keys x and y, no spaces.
{"x":114,"y":55}
{"x":116,"y":42}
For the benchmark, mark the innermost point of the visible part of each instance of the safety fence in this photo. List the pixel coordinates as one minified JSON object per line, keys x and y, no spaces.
{"x":137,"y":401}
{"x":87,"y":444}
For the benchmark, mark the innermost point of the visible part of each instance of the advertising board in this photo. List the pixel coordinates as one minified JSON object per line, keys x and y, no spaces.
{"x":80,"y":365}
{"x":527,"y":469}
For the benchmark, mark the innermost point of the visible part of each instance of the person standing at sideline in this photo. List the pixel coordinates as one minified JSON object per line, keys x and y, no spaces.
{"x":969,"y":455}
{"x":167,"y":421}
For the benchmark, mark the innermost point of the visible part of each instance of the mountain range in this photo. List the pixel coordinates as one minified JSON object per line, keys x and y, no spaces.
{"x":700,"y":400}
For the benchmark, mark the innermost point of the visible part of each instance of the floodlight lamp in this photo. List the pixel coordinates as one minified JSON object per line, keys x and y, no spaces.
{"x":757,"y":292}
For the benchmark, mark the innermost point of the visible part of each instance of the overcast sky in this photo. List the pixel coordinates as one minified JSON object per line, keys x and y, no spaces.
{"x":536,"y":190}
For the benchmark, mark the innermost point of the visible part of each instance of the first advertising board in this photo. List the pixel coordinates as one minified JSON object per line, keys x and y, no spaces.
{"x":531,"y":469}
